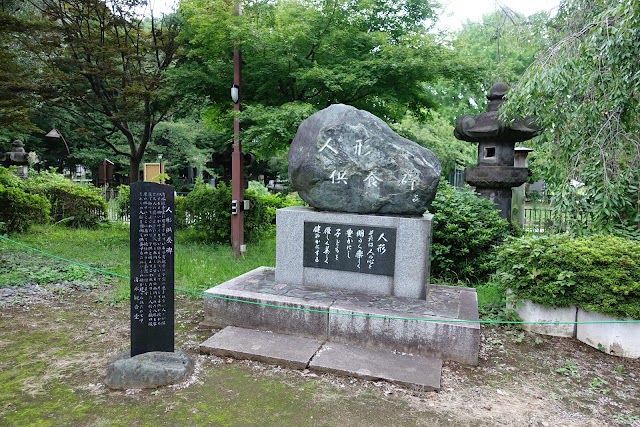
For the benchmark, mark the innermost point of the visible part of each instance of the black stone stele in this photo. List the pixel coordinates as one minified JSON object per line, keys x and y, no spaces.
{"x":495,"y":174}
{"x":349,"y":247}
{"x":152,"y":282}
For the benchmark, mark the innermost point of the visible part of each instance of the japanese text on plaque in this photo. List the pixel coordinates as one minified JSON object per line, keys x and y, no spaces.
{"x":348,"y":247}
{"x":155,"y":243}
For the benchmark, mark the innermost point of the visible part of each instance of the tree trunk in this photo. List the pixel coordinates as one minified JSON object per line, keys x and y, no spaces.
{"x":134,"y":170}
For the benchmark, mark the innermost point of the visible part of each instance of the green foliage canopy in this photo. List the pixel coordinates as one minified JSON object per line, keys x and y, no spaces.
{"x":300,"y":56}
{"x":17,"y":92}
{"x":500,"y":46}
{"x":437,"y":135}
{"x":585,"y":90}
{"x":105,"y":66}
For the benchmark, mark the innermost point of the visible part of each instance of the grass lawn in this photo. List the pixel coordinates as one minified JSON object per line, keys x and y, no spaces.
{"x":198,"y":266}
{"x":54,"y":351}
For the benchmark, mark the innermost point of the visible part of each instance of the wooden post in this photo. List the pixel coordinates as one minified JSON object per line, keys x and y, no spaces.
{"x":237,"y":185}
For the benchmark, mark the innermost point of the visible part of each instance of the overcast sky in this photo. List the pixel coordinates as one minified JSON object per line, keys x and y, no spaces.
{"x":456,"y":12}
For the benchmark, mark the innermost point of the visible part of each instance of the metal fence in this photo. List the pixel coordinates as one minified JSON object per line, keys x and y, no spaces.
{"x":537,"y":220}
{"x":546,"y":220}
{"x":113,"y":212}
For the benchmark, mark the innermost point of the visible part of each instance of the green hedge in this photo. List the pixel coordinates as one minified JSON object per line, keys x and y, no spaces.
{"x":20,"y":210}
{"x":72,"y":204}
{"x":209,"y":212}
{"x":465,"y":230}
{"x":599,"y":273}
{"x":122,"y":201}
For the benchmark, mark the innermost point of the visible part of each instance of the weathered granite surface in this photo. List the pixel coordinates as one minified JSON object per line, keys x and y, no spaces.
{"x":148,"y":370}
{"x":347,"y":160}
{"x":412,"y":263}
{"x":444,"y":325}
{"x":488,"y":126}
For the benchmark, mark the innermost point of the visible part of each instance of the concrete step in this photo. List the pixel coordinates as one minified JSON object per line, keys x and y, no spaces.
{"x":276,"y":349}
{"x":343,"y":359}
{"x":444,"y":326}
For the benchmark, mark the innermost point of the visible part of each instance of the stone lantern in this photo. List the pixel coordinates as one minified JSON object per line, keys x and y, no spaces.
{"x":496,"y":174}
{"x":16,"y":157}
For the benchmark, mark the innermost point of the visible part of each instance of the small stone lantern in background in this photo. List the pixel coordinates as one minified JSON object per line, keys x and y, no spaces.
{"x":496,"y":174}
{"x":16,"y":157}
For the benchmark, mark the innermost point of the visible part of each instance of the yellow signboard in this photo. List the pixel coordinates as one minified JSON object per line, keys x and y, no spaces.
{"x":152,"y":170}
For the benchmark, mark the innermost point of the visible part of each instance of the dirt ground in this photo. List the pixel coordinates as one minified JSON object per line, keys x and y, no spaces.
{"x":55,"y":346}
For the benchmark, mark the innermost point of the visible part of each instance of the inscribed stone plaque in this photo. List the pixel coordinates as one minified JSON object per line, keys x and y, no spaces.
{"x":349,"y":247}
{"x":152,"y":286}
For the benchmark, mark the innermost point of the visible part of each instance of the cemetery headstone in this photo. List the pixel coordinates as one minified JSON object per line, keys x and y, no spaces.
{"x":152,"y":279}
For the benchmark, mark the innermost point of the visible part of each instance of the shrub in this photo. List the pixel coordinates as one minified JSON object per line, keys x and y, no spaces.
{"x":180,"y":219}
{"x":599,"y":273}
{"x":20,"y":210}
{"x":209,"y":211}
{"x":122,"y":201}
{"x":9,"y":179}
{"x":72,"y":204}
{"x":465,"y":230}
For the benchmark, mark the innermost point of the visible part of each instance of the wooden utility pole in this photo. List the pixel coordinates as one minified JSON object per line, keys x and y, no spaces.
{"x":237,"y":185}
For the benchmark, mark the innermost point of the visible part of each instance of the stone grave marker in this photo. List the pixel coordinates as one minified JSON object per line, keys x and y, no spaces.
{"x":152,"y":280}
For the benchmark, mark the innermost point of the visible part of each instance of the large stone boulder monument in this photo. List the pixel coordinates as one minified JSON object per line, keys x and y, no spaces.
{"x":352,"y":269}
{"x":347,"y":160}
{"x":369,"y":189}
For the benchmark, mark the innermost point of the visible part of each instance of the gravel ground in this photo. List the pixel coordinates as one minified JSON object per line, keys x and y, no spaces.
{"x":523,"y":379}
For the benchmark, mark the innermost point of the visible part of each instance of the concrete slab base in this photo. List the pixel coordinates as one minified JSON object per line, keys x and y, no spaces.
{"x":403,"y":369}
{"x":343,"y":359}
{"x":618,"y":339}
{"x":445,"y":325}
{"x":276,"y":349}
{"x":532,"y":312}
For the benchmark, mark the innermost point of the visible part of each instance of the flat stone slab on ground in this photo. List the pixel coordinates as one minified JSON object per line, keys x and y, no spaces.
{"x":276,"y":349}
{"x":300,"y":353}
{"x":403,"y":369}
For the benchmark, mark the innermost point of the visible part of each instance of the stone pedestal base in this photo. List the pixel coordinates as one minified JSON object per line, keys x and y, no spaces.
{"x":445,"y":325}
{"x":148,"y":370}
{"x":411,"y":263}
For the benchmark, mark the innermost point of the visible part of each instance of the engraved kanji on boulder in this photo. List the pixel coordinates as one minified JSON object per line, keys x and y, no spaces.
{"x":347,"y":160}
